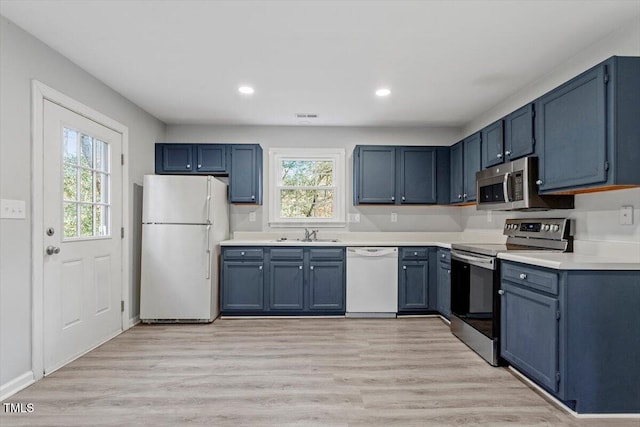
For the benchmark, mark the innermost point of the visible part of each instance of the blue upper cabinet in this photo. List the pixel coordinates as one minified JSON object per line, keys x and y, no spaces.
{"x":588,"y":131}
{"x":456,"y":167}
{"x":519,"y":138}
{"x":174,"y":158}
{"x":245,"y":176}
{"x":400,"y":175}
{"x":493,"y":144}
{"x":417,"y":167}
{"x":374,"y":174}
{"x":472,"y":163}
{"x":211,"y":158}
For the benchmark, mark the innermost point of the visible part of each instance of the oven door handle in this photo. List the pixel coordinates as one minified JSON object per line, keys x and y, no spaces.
{"x":505,"y":186}
{"x":488,"y":263}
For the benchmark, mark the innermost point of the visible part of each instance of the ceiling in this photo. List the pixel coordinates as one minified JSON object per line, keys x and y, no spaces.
{"x":444,"y":61}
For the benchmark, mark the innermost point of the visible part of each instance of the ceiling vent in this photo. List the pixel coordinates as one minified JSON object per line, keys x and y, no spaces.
{"x":306,"y":118}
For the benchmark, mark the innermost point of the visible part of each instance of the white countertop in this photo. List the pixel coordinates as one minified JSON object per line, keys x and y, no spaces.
{"x":586,"y":255}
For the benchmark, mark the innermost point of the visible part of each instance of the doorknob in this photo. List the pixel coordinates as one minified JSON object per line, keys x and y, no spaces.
{"x":53,"y":250}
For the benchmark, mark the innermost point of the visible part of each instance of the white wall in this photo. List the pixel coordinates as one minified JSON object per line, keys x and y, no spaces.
{"x":371,"y":218}
{"x":623,"y":42}
{"x":24,"y":58}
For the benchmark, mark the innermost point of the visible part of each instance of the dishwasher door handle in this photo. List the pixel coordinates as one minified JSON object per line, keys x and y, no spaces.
{"x":372,"y":252}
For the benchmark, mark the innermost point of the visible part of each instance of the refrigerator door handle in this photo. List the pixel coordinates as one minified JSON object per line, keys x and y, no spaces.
{"x":208,"y":276}
{"x":208,"y":201}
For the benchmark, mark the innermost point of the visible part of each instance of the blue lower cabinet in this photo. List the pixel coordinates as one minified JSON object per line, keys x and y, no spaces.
{"x":326,"y":286}
{"x":574,"y":333}
{"x":286,"y":285}
{"x":283,"y":281}
{"x":530,"y":333}
{"x":413,"y":293}
{"x":242,"y":286}
{"x":443,"y":304}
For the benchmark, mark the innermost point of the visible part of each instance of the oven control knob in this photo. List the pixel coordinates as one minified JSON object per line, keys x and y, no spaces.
{"x":555,"y":228}
{"x":545,"y":227}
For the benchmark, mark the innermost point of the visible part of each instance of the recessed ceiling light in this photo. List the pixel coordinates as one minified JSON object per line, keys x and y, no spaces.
{"x":383,"y":92}
{"x":246,"y":90}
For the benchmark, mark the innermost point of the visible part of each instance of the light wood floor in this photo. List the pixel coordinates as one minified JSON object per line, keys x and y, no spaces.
{"x":281,"y":372}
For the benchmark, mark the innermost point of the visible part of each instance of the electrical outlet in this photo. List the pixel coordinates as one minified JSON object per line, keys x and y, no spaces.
{"x":252,"y":217}
{"x":394,"y":217}
{"x":354,"y":217}
{"x":626,"y":215}
{"x":12,"y":209}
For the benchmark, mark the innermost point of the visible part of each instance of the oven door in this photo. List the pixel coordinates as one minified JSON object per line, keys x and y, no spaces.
{"x":475,"y":302}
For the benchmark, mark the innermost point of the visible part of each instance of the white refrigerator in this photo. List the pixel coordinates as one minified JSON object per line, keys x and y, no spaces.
{"x":183,"y":220}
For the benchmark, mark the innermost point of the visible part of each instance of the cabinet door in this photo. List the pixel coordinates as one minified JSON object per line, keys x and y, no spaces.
{"x":518,"y":133}
{"x":413,"y":291}
{"x":456,"y":184}
{"x":245,"y":181}
{"x":286,"y":285}
{"x":492,"y":144}
{"x":326,"y":286}
{"x":376,"y":174}
{"x":472,"y":164}
{"x":211,"y":158}
{"x":174,"y":158}
{"x":417,"y":175}
{"x":242,"y":286}
{"x":529,"y":333}
{"x":444,"y":289}
{"x":571,"y":133}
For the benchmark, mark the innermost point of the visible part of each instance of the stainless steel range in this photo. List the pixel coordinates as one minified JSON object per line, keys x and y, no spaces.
{"x":475,"y":279}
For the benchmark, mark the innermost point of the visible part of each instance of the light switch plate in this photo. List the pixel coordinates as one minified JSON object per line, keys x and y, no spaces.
{"x":394,"y":217}
{"x":252,"y":217}
{"x":354,"y":217}
{"x":12,"y":209}
{"x":626,"y":215}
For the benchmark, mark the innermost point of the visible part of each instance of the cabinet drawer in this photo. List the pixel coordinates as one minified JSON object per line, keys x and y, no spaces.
{"x":287,"y":253}
{"x":444,"y":256}
{"x":531,"y":277}
{"x":326,"y":253}
{"x":244,"y":253}
{"x":414,"y":253}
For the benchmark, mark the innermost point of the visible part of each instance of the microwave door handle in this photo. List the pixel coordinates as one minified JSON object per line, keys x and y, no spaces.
{"x":505,"y":186}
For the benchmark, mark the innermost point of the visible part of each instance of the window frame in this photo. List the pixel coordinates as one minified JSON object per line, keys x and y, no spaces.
{"x":335,"y":155}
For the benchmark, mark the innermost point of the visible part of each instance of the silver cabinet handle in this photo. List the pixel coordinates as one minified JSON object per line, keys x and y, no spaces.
{"x":199,"y":166}
{"x":459,"y":196}
{"x":508,"y":153}
{"x":539,"y":182}
{"x":300,"y":267}
{"x":188,"y":165}
{"x":259,"y":267}
{"x":464,"y":195}
{"x":404,"y":198}
{"x":51,"y":250}
{"x":415,"y":253}
{"x":442,"y":256}
{"x":393,"y":199}
{"x":404,"y":267}
{"x":499,"y":155}
{"x":501,"y":292}
{"x":242,"y":253}
{"x":311,"y":267}
{"x":253,"y":197}
{"x":448,"y":271}
{"x":523,"y":276}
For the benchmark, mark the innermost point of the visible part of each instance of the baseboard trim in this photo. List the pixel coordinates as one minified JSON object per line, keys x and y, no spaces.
{"x":15,"y":385}
{"x":133,"y":322}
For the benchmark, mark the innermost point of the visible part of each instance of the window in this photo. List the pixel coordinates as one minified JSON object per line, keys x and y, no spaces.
{"x":307,"y":187}
{"x":85,"y":186}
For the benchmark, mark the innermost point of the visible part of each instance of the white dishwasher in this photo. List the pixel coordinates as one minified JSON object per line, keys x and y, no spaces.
{"x":372,"y":282}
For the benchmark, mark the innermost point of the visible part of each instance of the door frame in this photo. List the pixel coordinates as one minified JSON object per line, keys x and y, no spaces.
{"x":39,"y":93}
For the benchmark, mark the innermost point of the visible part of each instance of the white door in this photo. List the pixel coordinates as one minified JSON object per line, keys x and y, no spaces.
{"x":83,"y":249}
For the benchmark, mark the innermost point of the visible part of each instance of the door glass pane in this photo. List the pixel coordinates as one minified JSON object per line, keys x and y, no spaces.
{"x":85,"y":185}
{"x":70,"y":146}
{"x":86,"y":154}
{"x":70,"y":220}
{"x":102,"y":189}
{"x":86,"y":220}
{"x":102,"y":155}
{"x":70,"y":182}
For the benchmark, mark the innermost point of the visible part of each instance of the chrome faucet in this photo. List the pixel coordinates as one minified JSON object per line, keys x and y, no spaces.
{"x":310,"y":235}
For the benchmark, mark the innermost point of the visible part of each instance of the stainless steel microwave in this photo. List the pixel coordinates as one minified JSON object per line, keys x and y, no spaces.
{"x":512,"y":186}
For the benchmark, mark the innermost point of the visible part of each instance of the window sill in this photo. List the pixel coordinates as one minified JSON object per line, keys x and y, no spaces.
{"x":308,"y":224}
